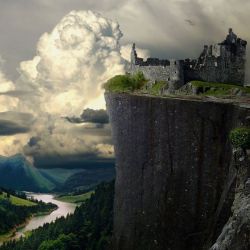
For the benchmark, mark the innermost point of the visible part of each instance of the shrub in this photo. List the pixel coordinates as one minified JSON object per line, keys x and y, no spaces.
{"x":240,"y":138}
{"x":125,"y":83}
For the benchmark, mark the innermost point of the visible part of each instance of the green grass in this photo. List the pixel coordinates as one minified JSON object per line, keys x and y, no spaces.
{"x":125,"y":83}
{"x":17,"y":201}
{"x":212,"y":88}
{"x":157,"y":87}
{"x":75,"y":198}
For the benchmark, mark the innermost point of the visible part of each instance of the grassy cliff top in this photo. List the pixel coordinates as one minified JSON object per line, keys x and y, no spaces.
{"x":125,"y":83}
{"x":194,"y":90}
{"x":214,"y":88}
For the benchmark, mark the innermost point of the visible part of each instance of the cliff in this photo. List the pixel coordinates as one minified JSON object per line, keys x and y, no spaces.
{"x":174,"y":187}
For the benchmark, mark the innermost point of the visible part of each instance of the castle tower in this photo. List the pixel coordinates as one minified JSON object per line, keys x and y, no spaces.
{"x":133,"y":57}
{"x":231,"y":37}
{"x":176,"y":75}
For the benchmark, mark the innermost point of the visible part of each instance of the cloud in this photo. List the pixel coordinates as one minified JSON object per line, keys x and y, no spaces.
{"x":7,"y":102}
{"x":66,"y":75}
{"x":99,"y":116}
{"x":72,"y":62}
{"x":23,"y":119}
{"x":11,"y":128}
{"x":95,"y":116}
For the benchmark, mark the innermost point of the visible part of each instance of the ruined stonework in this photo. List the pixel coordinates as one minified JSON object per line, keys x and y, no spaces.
{"x":223,"y":62}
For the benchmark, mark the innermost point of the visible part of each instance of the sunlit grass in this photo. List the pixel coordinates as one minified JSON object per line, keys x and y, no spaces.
{"x":16,"y":200}
{"x":75,"y":198}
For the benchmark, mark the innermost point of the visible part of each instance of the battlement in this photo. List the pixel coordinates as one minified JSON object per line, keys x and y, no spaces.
{"x":223,"y":62}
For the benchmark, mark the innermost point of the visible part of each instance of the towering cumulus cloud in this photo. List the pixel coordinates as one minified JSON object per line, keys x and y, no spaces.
{"x":65,"y":76}
{"x":72,"y":62}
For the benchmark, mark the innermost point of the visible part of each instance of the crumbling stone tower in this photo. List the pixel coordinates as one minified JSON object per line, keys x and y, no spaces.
{"x":223,"y":62}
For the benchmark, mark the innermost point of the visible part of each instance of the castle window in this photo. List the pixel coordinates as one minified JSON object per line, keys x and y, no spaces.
{"x":215,"y":64}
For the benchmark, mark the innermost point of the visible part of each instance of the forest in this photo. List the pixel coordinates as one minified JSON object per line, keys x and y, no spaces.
{"x":15,"y":209}
{"x":89,"y":228}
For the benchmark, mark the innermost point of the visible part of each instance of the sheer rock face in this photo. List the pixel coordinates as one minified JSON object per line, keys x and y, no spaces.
{"x":236,"y":233}
{"x":172,"y":161}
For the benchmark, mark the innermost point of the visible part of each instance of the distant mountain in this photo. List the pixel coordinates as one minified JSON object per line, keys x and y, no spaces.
{"x":18,"y":174}
{"x":87,"y":179}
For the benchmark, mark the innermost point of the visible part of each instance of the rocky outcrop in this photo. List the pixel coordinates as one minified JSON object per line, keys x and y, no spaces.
{"x":236,"y":233}
{"x":173,"y":161}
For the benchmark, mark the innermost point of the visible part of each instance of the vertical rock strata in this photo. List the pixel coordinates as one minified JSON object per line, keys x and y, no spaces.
{"x":172,"y":164}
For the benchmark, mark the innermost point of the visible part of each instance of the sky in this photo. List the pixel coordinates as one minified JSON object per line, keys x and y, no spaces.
{"x":55,"y":56}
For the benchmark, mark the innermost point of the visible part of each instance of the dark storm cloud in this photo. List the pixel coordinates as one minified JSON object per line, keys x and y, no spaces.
{"x":12,"y":123}
{"x":86,"y":161}
{"x":11,"y":128}
{"x":91,"y":116}
{"x":95,"y":116}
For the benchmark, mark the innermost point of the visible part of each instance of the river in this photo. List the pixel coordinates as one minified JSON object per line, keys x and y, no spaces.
{"x":64,"y":208}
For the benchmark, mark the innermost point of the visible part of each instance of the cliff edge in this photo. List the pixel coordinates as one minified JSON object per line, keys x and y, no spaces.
{"x":174,"y":180}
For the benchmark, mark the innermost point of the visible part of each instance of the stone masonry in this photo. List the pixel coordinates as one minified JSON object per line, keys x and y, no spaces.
{"x":223,"y":62}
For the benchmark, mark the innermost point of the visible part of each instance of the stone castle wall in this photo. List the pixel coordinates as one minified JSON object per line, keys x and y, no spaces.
{"x":224,"y":62}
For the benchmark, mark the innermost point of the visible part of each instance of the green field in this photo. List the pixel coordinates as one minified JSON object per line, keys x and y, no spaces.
{"x":75,"y":198}
{"x":17,"y":201}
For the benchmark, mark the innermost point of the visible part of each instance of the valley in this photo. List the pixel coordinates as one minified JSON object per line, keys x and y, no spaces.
{"x":17,"y":210}
{"x":17,"y":173}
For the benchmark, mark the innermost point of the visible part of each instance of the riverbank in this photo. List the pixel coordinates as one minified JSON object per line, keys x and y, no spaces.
{"x":11,"y":235}
{"x":40,"y":218}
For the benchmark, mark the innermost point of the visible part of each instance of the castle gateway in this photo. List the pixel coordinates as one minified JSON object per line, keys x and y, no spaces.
{"x":223,"y":62}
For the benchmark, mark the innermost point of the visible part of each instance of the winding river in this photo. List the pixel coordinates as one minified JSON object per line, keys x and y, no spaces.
{"x":63,"y":209}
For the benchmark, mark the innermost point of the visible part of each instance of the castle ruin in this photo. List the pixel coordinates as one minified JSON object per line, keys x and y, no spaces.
{"x":223,"y":62}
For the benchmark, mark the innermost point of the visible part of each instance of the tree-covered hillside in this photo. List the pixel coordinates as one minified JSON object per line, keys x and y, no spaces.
{"x":89,"y":228}
{"x":15,"y":209}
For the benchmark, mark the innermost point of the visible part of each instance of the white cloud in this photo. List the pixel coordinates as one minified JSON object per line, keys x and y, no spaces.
{"x":73,"y":61}
{"x":66,"y":75}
